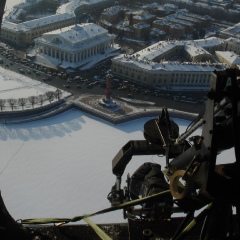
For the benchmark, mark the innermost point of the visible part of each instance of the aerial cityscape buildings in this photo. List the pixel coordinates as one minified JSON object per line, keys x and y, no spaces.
{"x":179,"y":51}
{"x":192,"y":71}
{"x":23,"y":33}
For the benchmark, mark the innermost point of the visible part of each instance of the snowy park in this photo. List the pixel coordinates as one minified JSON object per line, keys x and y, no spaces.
{"x":18,"y":86}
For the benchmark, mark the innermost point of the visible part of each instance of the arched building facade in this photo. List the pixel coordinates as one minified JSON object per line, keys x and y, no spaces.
{"x":75,"y":43}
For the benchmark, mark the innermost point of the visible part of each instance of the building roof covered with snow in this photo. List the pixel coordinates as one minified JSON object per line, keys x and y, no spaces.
{"x":64,"y":12}
{"x":231,"y":58}
{"x":196,"y":47}
{"x":194,"y":50}
{"x":76,"y":35}
{"x":151,"y":6}
{"x":29,"y":25}
{"x":168,"y":66}
{"x":113,"y":10}
{"x":233,"y":40}
{"x":72,"y":6}
{"x":144,"y":16}
{"x":233,"y":31}
{"x":141,"y":25}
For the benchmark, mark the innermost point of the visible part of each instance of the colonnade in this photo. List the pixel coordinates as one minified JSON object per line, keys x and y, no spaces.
{"x":74,"y":56}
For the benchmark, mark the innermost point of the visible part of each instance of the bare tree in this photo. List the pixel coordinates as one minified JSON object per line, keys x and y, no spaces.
{"x":32,"y":100}
{"x":22,"y":102}
{"x":41,"y":99}
{"x":50,"y":96}
{"x":12,"y":102}
{"x":2,"y":104}
{"x":58,"y":94}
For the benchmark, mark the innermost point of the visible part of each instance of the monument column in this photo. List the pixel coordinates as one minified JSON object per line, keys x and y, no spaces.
{"x":108,"y":87}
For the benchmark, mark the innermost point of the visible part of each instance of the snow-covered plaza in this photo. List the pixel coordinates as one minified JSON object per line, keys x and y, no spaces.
{"x":15,"y":86}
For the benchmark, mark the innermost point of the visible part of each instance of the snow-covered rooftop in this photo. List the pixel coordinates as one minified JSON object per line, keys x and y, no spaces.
{"x":14,"y":15}
{"x":231,"y":57}
{"x":150,"y":6}
{"x":232,"y":31}
{"x":234,"y":40}
{"x":169,"y":66}
{"x":141,"y":25}
{"x":188,"y":18}
{"x":75,"y":36}
{"x":157,"y":31}
{"x":195,"y":50}
{"x":64,"y":12}
{"x":79,"y":32}
{"x":73,"y":5}
{"x":29,"y":25}
{"x":162,"y":47}
{"x":144,"y":16}
{"x":179,"y":21}
{"x":208,"y":42}
{"x":170,"y":6}
{"x":113,"y":10}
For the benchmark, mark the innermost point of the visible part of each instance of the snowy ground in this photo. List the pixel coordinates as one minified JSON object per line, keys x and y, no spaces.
{"x":15,"y":85}
{"x":62,"y":166}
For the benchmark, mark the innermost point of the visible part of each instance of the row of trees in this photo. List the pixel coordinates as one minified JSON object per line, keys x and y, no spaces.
{"x":32,"y":100}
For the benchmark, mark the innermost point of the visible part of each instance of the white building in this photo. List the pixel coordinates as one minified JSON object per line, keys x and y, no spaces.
{"x":21,"y":34}
{"x":232,"y":45}
{"x":166,"y":75}
{"x":228,"y":57}
{"x":75,"y":45}
{"x":149,"y":66}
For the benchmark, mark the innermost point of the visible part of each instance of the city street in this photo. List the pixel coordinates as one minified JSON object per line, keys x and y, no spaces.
{"x":79,"y":87}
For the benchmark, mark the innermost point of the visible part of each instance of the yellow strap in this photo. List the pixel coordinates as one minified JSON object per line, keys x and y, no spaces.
{"x":97,"y":229}
{"x":194,"y":222}
{"x":61,"y":221}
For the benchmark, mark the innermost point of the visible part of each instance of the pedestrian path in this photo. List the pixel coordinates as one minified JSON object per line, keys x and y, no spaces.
{"x":73,"y":102}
